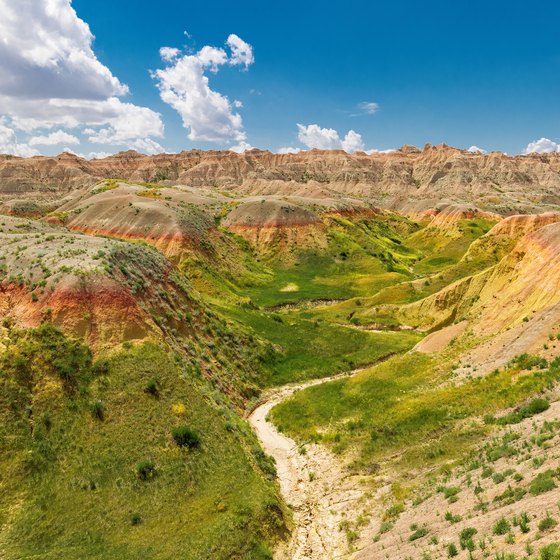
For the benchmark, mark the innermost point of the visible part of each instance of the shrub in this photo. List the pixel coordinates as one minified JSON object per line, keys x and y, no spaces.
{"x":536,"y":406}
{"x":185,"y":437}
{"x":418,"y":534}
{"x":98,"y":410}
{"x":524,"y":523}
{"x":547,"y":523}
{"x":152,"y":388}
{"x":465,"y":538}
{"x":394,"y":510}
{"x":542,"y":483}
{"x":146,"y":470}
{"x":510,"y":495}
{"x":501,"y":527}
{"x":100,"y":367}
{"x":449,"y":491}
{"x":452,"y":518}
{"x":452,"y":550}
{"x":265,"y":462}
{"x":385,"y":527}
{"x":135,"y":518}
{"x":550,"y":552}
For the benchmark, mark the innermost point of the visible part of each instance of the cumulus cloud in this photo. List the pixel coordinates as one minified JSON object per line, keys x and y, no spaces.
{"x":51,"y":78}
{"x":46,"y":51}
{"x":169,"y":53}
{"x":476,"y":150}
{"x":313,"y":136}
{"x":183,"y":84}
{"x":241,"y":148}
{"x":376,"y":151}
{"x":54,"y":139}
{"x":98,"y":155}
{"x":241,"y":52}
{"x":542,"y":146}
{"x":9,"y":143}
{"x":289,"y":150}
{"x":126,"y":122}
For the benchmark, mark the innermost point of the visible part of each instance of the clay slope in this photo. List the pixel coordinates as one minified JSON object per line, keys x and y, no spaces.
{"x":524,"y":283}
{"x":408,"y":179}
{"x":170,"y":219}
{"x":102,"y":289}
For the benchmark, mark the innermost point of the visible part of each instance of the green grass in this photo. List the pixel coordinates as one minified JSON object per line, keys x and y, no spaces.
{"x":307,"y":349}
{"x":361,"y":257}
{"x":405,"y":405}
{"x":79,"y":487}
{"x":444,"y":247}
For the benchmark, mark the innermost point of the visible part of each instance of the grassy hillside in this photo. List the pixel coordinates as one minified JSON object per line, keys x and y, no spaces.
{"x":91,"y":468}
{"x":142,"y":452}
{"x":378,"y":412}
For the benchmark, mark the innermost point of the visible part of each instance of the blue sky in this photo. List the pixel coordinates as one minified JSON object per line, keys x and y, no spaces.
{"x":476,"y":73}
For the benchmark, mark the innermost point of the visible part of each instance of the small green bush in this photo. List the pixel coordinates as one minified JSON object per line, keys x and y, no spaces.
{"x":524,"y":523}
{"x":501,"y":527}
{"x":452,"y":518}
{"x":152,"y":388}
{"x":98,"y":410}
{"x":550,"y":552}
{"x":418,"y":534}
{"x":542,"y":483}
{"x":135,"y":519}
{"x":465,"y":538}
{"x":452,"y":550}
{"x":547,"y":523}
{"x":146,"y":470}
{"x":385,"y":527}
{"x":185,"y":437}
{"x":536,"y":406}
{"x":100,"y":367}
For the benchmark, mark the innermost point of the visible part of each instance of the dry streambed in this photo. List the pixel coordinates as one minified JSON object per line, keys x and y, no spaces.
{"x":313,"y":483}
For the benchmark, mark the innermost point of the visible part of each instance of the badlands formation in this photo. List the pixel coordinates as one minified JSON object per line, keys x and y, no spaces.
{"x":319,"y":355}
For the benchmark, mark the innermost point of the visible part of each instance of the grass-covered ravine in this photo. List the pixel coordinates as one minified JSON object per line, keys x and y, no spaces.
{"x":138,"y":448}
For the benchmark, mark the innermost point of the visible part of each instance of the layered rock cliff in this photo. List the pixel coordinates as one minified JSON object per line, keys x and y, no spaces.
{"x":408,"y":179}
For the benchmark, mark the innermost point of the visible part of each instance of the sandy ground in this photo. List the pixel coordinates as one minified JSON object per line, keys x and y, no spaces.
{"x":314,"y":484}
{"x":396,"y":545}
{"x":437,"y":341}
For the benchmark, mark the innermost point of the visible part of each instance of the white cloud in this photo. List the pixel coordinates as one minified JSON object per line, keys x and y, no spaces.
{"x":53,"y":79}
{"x":241,"y":52}
{"x":147,"y":145}
{"x":91,"y":155}
{"x":207,"y":114}
{"x":313,"y":136}
{"x":352,"y":142}
{"x":477,"y":150}
{"x":289,"y":150}
{"x":127,"y":122}
{"x":369,"y":107}
{"x":46,"y":51}
{"x":241,"y":148}
{"x":9,"y":143}
{"x":98,"y":155}
{"x":54,"y":139}
{"x":376,"y":151}
{"x":542,"y":146}
{"x":169,"y":53}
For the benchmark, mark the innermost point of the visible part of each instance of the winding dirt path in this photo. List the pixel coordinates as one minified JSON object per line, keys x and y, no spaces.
{"x":314,"y":484}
